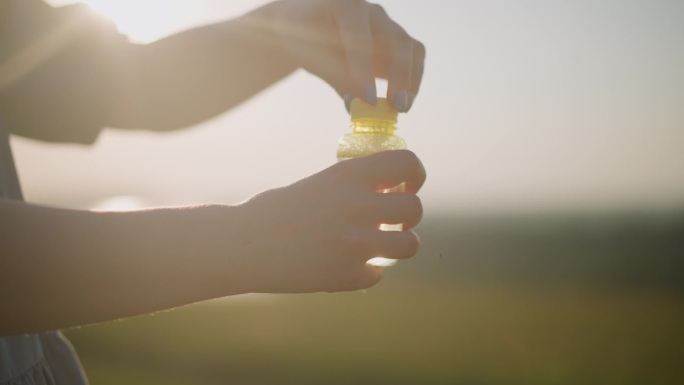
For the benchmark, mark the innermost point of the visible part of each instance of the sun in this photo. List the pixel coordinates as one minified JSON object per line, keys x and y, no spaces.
{"x":144,"y":21}
{"x":120,"y":203}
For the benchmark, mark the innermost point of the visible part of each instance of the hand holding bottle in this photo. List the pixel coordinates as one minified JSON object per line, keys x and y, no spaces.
{"x":318,"y":233}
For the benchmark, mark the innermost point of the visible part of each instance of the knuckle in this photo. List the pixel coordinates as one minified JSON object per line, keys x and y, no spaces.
{"x":356,"y":241}
{"x":418,"y":48}
{"x":412,"y":244}
{"x":397,"y":35}
{"x":347,"y":4}
{"x":416,"y":208}
{"x":362,"y":208}
{"x":410,"y":158}
{"x":402,"y":35}
{"x":406,"y":161}
{"x":378,"y":9}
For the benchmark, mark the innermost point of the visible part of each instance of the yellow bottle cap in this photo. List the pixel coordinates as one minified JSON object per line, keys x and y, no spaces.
{"x":359,"y":109}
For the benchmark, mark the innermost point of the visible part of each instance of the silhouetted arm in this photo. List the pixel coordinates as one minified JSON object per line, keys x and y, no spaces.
{"x":61,"y":268}
{"x":66,"y":73}
{"x":75,"y":74}
{"x":196,"y":74}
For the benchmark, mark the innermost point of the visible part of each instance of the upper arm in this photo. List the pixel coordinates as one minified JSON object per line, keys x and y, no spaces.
{"x":60,"y":71}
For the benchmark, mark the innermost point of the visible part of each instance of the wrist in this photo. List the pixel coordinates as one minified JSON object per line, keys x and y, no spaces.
{"x":216,"y":236}
{"x":264,"y":27}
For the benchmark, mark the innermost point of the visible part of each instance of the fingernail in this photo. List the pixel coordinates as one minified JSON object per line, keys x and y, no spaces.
{"x":347,"y":102}
{"x":411,"y":98}
{"x":401,"y":101}
{"x":371,"y":95}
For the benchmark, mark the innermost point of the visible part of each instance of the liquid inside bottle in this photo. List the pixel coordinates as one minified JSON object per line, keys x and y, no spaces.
{"x":372,"y":132}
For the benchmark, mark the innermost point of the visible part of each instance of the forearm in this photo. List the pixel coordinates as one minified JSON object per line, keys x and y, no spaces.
{"x":63,"y":268}
{"x":194,"y":75}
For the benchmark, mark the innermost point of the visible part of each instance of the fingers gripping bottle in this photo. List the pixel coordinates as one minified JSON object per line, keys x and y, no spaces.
{"x":372,"y":131}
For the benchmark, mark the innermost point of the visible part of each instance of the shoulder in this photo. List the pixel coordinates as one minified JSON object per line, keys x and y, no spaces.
{"x":57,"y":69}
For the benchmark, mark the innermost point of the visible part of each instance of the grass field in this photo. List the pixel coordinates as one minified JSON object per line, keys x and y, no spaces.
{"x":441,"y":319}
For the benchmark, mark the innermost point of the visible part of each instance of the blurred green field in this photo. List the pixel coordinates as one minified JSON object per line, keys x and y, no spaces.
{"x":442,"y":318}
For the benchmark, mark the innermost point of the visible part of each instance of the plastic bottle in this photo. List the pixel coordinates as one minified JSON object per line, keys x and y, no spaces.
{"x":372,"y":131}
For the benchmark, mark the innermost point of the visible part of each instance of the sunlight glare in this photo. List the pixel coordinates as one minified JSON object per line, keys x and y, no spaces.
{"x":143,"y":21}
{"x":120,"y":203}
{"x":381,"y":262}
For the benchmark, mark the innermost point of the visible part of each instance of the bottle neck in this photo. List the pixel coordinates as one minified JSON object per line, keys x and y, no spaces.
{"x":374,"y":126}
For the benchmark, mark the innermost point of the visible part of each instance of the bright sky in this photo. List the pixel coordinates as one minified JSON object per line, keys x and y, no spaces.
{"x":525,"y":105}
